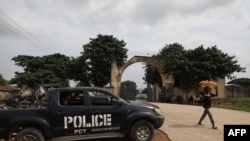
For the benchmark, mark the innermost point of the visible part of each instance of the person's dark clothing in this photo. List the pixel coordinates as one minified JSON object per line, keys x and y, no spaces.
{"x":207,"y":105}
{"x":207,"y":99}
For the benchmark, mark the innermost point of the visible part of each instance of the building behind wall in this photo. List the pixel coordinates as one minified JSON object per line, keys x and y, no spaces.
{"x":233,"y":90}
{"x":5,"y":90}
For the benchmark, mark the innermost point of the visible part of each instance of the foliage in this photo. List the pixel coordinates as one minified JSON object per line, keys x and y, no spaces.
{"x":145,"y":91}
{"x":212,"y":63}
{"x":152,"y":76}
{"x":41,"y":70}
{"x":128,"y":84}
{"x":2,"y":80}
{"x":168,"y":55}
{"x":189,"y":67}
{"x":96,"y":60}
{"x":77,"y":71}
{"x":240,"y":81}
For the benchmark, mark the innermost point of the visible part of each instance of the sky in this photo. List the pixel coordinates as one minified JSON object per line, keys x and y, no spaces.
{"x":44,"y":27}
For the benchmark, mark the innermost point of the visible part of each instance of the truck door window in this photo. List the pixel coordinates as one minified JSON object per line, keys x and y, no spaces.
{"x":72,"y":98}
{"x":100,"y":98}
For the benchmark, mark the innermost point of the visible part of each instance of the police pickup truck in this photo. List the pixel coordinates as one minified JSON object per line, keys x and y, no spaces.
{"x":81,"y":113}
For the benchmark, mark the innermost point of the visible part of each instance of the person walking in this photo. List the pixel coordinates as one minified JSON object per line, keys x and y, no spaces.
{"x":207,"y":105}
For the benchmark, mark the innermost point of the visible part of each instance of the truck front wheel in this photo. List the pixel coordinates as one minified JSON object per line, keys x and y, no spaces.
{"x":30,"y":134}
{"x":142,"y":131}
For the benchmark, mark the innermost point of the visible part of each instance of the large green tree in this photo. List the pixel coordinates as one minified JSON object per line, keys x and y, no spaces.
{"x":96,"y":58}
{"x":189,"y":67}
{"x":167,"y":56}
{"x":41,"y":70}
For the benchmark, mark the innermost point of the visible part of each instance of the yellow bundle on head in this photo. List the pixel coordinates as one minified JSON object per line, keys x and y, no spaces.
{"x":210,"y":84}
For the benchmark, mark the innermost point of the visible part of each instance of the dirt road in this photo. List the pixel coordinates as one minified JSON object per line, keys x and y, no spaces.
{"x":181,"y":122}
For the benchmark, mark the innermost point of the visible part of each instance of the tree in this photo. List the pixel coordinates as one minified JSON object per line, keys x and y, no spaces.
{"x":2,"y":80}
{"x":240,"y":81}
{"x":191,"y":66}
{"x":78,"y":71}
{"x":212,"y":63}
{"x":41,"y":70}
{"x":152,"y":75}
{"x":128,"y":84}
{"x":145,"y":91}
{"x":96,"y":60}
{"x":166,"y":55}
{"x":169,"y":55}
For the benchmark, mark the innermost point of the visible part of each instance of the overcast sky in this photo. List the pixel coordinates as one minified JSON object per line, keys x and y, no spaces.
{"x":43,"y":27}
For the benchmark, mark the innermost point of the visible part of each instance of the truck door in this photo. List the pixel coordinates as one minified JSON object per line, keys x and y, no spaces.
{"x":106,"y":113}
{"x":69,"y":115}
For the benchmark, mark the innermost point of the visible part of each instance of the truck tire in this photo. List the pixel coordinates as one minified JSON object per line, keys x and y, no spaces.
{"x":30,"y":134}
{"x":142,"y":131}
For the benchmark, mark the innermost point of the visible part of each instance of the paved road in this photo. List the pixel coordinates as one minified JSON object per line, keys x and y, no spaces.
{"x":181,"y":122}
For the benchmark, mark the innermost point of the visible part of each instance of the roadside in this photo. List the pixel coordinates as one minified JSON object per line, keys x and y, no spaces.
{"x":181,"y":122}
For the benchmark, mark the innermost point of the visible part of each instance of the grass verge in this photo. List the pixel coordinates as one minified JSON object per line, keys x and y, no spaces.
{"x":241,"y":104}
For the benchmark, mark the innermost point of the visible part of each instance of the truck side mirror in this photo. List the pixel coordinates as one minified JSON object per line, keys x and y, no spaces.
{"x":119,"y":102}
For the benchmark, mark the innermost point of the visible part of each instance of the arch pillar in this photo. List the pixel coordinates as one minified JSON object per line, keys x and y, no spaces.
{"x":115,"y":78}
{"x":157,"y":92}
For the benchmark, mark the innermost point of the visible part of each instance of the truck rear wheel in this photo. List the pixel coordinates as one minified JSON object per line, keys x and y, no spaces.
{"x":142,"y":131}
{"x":29,"y":134}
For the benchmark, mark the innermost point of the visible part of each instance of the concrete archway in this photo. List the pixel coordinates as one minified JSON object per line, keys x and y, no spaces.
{"x":116,"y":72}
